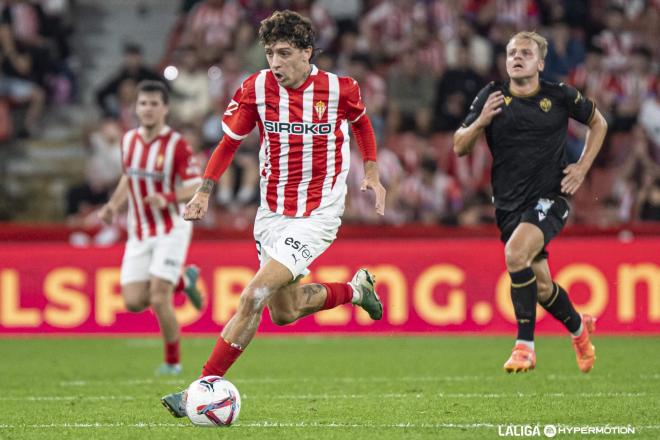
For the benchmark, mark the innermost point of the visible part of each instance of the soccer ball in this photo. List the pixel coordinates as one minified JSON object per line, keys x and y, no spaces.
{"x":212,"y":401}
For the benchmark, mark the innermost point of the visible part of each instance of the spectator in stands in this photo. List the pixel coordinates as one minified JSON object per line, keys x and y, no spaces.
{"x":23,"y":20}
{"x":126,"y":96}
{"x":616,"y":42}
{"x":102,"y":172}
{"x":411,"y":93}
{"x":18,"y":91}
{"x":649,"y":199}
{"x":225,"y":79}
{"x":190,"y":90}
{"x":430,"y":51}
{"x":373,"y":89}
{"x":637,"y":173}
{"x":349,"y":43}
{"x":134,"y":69}
{"x":16,"y":87}
{"x":326,"y":28}
{"x":211,"y":27}
{"x":479,"y":50}
{"x":248,"y":47}
{"x":455,"y":91}
{"x":429,"y":194}
{"x":359,"y":204}
{"x":345,"y":13}
{"x":519,"y":13}
{"x":649,"y":119}
{"x":595,"y":81}
{"x":634,"y":85}
{"x":388,"y":27}
{"x":258,"y":10}
{"x":564,"y":53}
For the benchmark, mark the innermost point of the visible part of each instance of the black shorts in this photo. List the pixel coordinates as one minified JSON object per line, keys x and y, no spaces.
{"x":549,"y":214}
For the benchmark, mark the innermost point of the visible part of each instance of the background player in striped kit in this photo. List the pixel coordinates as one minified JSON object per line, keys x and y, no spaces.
{"x":155,"y":160}
{"x":303,"y":115}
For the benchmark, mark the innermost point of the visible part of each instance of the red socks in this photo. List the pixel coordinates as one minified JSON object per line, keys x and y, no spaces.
{"x":223,"y":356}
{"x":172,"y":355}
{"x":338,"y":294}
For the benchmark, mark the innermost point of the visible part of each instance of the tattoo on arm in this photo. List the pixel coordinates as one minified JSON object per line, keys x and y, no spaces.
{"x":207,"y":186}
{"x":312,"y":289}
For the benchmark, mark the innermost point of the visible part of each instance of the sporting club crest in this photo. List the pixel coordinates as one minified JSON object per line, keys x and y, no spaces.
{"x":319,"y":107}
{"x":507,"y":100}
{"x":545,"y":105}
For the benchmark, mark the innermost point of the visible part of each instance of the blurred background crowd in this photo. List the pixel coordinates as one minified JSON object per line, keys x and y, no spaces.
{"x":64,"y":103}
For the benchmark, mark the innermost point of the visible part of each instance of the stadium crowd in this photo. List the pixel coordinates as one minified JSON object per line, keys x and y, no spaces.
{"x":34,"y":63}
{"x":419,"y":63}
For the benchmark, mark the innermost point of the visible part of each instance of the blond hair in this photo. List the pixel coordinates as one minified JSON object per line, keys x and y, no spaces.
{"x":540,"y":41}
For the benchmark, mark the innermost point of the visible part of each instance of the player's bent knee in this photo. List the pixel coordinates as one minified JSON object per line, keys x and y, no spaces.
{"x":159,"y":297}
{"x":281,"y":317}
{"x":515,"y":260}
{"x":253,"y":300}
{"x":135,"y":306}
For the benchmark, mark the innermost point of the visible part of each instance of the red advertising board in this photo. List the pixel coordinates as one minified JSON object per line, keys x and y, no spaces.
{"x":427,"y":286}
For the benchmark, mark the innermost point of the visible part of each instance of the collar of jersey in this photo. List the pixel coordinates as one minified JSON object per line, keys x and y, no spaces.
{"x":526,"y":95}
{"x":163,"y":132}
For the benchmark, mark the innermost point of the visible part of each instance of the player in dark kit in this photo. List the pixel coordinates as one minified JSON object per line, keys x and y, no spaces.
{"x":525,"y":121}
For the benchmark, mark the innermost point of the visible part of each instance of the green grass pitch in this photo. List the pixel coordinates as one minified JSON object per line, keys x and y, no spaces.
{"x":435,"y":387}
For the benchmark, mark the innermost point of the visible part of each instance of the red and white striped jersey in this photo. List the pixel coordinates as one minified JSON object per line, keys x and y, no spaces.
{"x":304,"y":155}
{"x":152,"y":168}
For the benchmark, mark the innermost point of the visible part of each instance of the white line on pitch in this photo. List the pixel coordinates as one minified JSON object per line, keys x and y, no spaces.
{"x":82,"y":383}
{"x":66,"y":398}
{"x":269,"y":424}
{"x":180,"y":382}
{"x":343,"y":396}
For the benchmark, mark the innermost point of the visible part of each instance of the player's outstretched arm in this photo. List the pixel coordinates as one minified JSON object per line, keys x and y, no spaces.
{"x":575,"y":172}
{"x":219,"y":162}
{"x":466,"y":137}
{"x":372,"y":181}
{"x":197,"y":207}
{"x":366,"y":140}
{"x":108,"y":212}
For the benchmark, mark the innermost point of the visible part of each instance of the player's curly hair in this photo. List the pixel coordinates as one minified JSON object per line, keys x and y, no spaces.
{"x":287,"y":26}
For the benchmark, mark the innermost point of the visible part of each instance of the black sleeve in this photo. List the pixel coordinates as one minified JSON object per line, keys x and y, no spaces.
{"x":108,"y":89}
{"x":478,"y":104}
{"x":579,"y":108}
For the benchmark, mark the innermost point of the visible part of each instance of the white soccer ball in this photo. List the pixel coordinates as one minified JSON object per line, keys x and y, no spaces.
{"x":212,"y":401}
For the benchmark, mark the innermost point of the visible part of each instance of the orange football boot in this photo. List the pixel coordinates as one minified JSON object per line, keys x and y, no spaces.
{"x":522,"y":360}
{"x":585,"y":352}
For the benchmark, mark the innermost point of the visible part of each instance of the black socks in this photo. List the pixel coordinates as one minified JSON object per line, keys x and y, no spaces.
{"x":560,"y":306}
{"x":523,"y":296}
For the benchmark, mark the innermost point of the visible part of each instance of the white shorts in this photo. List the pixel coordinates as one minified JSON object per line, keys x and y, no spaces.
{"x":160,"y":257}
{"x":293,"y":241}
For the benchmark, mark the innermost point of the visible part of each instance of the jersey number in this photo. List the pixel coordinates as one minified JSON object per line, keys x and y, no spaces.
{"x":231,"y":108}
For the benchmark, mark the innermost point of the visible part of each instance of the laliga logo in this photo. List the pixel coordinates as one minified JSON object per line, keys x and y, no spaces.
{"x":550,"y":431}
